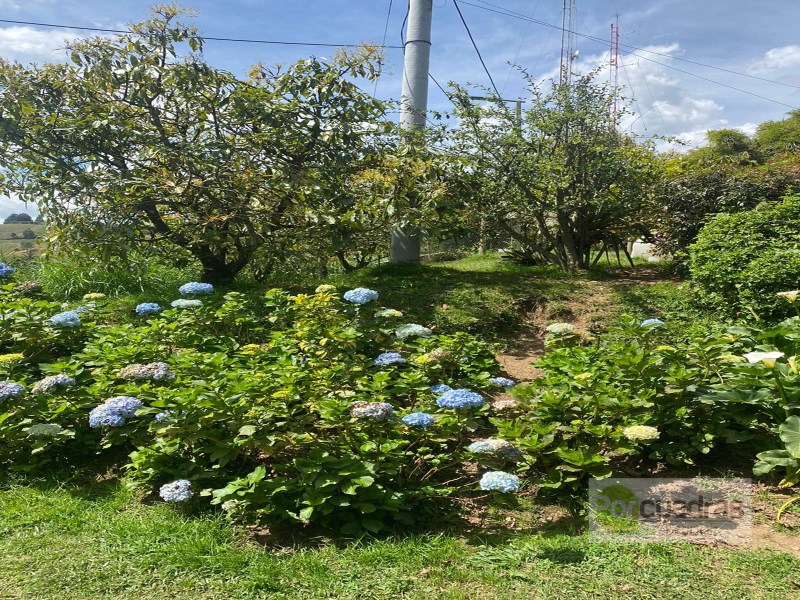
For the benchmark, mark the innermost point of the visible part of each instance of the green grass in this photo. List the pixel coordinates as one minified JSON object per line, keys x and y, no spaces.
{"x":70,"y":541}
{"x":481,"y":293}
{"x":10,"y":246}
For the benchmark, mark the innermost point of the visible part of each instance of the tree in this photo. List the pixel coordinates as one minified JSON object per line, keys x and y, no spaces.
{"x":18,"y":218}
{"x":690,"y":193}
{"x":136,"y":147}
{"x":28,"y":234}
{"x":564,"y":181}
{"x":726,"y":146}
{"x":779,"y":137}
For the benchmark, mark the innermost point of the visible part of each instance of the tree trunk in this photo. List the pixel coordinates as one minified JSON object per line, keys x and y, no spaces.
{"x":572,"y":257}
{"x":217,"y":271}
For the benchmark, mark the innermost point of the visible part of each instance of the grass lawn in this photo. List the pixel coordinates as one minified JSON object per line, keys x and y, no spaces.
{"x":72,"y":541}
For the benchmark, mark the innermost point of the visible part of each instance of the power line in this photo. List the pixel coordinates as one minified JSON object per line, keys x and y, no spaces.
{"x":474,"y":45}
{"x":444,"y":91}
{"x":383,"y":42}
{"x":510,"y":13}
{"x":521,"y":44}
{"x":713,"y":81}
{"x":211,"y":38}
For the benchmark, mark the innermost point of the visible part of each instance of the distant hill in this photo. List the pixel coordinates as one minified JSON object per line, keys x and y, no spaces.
{"x":13,"y":240}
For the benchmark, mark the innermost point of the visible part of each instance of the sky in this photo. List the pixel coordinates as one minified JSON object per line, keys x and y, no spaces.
{"x":686,"y":66}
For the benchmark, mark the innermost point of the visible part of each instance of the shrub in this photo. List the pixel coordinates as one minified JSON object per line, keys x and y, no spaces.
{"x":643,"y":392}
{"x":689,"y":197}
{"x":742,"y":260}
{"x":273,"y":407}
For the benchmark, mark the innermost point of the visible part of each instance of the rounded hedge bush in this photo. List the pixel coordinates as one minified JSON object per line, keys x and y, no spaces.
{"x":767,"y":275}
{"x":740,"y":261}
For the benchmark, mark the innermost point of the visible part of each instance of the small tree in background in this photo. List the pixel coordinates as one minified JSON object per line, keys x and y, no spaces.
{"x":18,"y":218}
{"x":564,"y":181}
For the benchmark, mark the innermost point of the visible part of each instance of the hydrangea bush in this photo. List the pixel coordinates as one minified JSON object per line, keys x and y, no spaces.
{"x":306,"y":407}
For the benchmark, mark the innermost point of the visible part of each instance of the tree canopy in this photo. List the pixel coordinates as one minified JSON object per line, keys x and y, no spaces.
{"x":563,"y":181}
{"x":18,"y":218}
{"x":139,"y":144}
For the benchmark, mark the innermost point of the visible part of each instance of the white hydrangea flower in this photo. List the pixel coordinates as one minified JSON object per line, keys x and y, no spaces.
{"x":559,"y":328}
{"x":641,"y":433}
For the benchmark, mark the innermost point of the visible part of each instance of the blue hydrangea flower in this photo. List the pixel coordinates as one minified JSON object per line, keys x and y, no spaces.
{"x":176,"y":491}
{"x":440,"y":388}
{"x":501,"y":448}
{"x":183,"y":303}
{"x":418,"y":419}
{"x":502,"y":382}
{"x":460,"y":399}
{"x":389,"y":358}
{"x":360,"y":296}
{"x":653,"y":323}
{"x":114,"y":411}
{"x":9,"y":389}
{"x":85,"y":308}
{"x":412,"y":330}
{"x":147,"y":308}
{"x":377,"y":411}
{"x":195,"y":288}
{"x":6,"y":270}
{"x":164,"y":417}
{"x":48,"y":384}
{"x":499,"y":481}
{"x":69,"y":318}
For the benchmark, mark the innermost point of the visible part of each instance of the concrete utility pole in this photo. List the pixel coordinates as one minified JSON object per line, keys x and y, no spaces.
{"x":413,"y":106}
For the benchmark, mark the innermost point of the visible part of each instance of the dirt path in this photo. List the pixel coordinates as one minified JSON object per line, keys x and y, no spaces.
{"x":590,"y":309}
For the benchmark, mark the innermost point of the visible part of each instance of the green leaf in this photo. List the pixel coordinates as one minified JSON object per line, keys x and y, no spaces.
{"x":373,"y":525}
{"x":247,"y":430}
{"x":790,"y":434}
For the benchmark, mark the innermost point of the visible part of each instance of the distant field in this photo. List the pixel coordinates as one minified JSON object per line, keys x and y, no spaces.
{"x":9,"y":245}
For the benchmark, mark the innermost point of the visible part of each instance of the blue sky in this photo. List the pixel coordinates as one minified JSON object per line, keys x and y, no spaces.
{"x":669,"y":95}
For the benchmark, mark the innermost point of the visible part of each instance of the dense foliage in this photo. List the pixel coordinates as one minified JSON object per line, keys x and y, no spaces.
{"x":742,"y":260}
{"x":692,"y":192}
{"x":649,"y":392}
{"x":140,"y":144}
{"x":312,"y":408}
{"x":560,"y":179}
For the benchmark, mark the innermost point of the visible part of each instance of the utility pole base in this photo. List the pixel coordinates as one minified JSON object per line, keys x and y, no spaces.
{"x":405,"y":247}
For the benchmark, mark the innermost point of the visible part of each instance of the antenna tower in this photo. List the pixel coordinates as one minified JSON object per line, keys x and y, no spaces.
{"x":568,"y":20}
{"x":613,"y":62}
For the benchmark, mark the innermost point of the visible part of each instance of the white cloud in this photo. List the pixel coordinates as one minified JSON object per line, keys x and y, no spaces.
{"x":785,"y":57}
{"x":26,"y":43}
{"x":12,"y":204}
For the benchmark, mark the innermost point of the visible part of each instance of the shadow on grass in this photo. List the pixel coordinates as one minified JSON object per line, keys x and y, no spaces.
{"x":480,"y":295}
{"x":91,"y":480}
